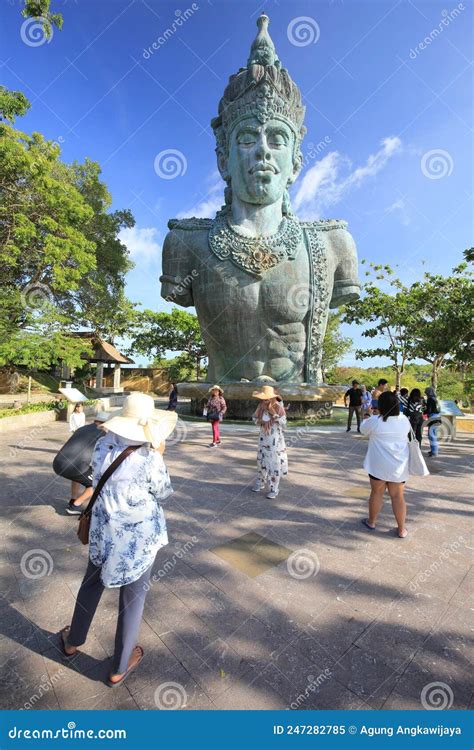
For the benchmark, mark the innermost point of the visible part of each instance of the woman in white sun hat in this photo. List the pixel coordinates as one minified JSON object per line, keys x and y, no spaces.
{"x":272,"y":460}
{"x":127,"y":526}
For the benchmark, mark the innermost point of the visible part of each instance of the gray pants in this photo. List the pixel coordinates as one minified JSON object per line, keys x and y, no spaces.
{"x":131,"y":603}
{"x":357,"y":410}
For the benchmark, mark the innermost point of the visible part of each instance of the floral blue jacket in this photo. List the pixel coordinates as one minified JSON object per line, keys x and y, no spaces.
{"x":128,"y":525}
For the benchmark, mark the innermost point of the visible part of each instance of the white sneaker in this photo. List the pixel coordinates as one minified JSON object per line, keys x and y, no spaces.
{"x":272,"y":495}
{"x":258,"y":487}
{"x":212,"y":445}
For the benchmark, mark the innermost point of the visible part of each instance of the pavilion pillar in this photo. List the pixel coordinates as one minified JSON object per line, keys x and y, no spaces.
{"x":99,"y":375}
{"x":117,"y":376}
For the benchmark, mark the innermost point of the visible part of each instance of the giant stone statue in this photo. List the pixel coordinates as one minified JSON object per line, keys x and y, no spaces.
{"x":261,"y":280}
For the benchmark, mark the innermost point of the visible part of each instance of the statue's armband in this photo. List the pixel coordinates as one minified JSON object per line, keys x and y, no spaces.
{"x":177,"y":277}
{"x":346,"y":278}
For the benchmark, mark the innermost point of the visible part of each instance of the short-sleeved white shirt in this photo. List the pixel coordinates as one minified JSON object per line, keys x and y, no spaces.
{"x":387,"y":454}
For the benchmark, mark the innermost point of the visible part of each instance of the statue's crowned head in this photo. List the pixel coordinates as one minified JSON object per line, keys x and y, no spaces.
{"x":259,"y":127}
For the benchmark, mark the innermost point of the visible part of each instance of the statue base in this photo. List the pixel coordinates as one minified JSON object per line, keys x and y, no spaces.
{"x":304,"y":400}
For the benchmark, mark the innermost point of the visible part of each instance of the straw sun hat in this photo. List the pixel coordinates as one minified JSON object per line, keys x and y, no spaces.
{"x":265,"y":393}
{"x":140,"y":421}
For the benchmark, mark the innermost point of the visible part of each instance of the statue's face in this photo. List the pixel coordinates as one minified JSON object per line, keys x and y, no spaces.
{"x":260,"y":162}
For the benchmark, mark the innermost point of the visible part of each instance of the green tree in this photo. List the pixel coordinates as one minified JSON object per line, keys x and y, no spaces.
{"x":178,"y":331}
{"x":444,"y":324}
{"x":390,"y":316}
{"x":335,"y":345}
{"x":102,"y":300}
{"x":41,"y":9}
{"x":13,"y":104}
{"x":179,"y":368}
{"x":63,"y":266}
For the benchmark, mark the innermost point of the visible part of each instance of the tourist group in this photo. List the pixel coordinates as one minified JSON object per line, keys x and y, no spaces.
{"x":120,"y":484}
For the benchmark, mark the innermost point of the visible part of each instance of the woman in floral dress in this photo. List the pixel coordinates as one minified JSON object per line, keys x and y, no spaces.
{"x":272,"y":460}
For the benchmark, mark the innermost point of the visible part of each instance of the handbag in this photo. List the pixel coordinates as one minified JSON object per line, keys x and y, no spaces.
{"x":416,"y":463}
{"x":85,"y":519}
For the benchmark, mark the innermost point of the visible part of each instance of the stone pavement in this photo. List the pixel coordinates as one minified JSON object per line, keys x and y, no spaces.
{"x":351,"y":619}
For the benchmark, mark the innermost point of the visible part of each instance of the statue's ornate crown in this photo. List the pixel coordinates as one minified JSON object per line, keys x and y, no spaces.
{"x":263,"y":89}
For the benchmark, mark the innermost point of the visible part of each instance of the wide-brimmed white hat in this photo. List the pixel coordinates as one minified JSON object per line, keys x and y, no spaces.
{"x":265,"y":393}
{"x":140,"y":421}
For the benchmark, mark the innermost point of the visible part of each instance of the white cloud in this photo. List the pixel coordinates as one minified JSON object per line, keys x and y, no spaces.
{"x":143,"y":244}
{"x":399,"y":207}
{"x":324,"y":184}
{"x":210,"y":202}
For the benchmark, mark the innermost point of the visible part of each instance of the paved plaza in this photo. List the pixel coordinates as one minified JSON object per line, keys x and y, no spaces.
{"x":306,"y":610}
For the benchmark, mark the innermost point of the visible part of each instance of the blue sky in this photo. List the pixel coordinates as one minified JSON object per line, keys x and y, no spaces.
{"x":387,"y":87}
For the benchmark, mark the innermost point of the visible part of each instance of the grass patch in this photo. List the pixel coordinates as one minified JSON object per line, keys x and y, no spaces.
{"x":9,"y":411}
{"x":29,"y":408}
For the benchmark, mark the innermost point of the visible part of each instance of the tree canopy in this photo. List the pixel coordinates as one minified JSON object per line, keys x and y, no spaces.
{"x":42,"y":9}
{"x":389,"y":318}
{"x":335,"y":345}
{"x":429,"y":320}
{"x":63,"y":265}
{"x":444,"y":328}
{"x":177,"y":331}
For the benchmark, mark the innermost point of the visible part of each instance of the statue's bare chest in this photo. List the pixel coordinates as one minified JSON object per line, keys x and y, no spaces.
{"x":279,"y":294}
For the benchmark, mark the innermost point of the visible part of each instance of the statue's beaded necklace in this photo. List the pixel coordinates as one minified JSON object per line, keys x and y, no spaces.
{"x":255,"y":254}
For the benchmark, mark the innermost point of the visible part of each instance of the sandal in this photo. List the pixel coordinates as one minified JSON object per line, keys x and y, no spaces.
{"x":64,"y":642}
{"x":366,"y":523}
{"x":129,"y":670}
{"x":403,"y":535}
